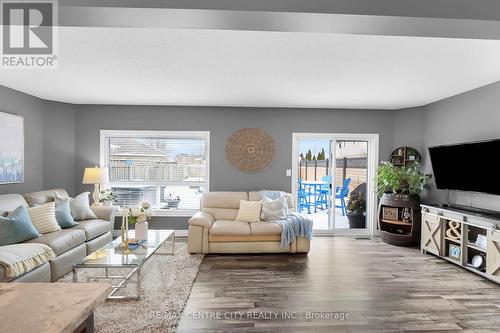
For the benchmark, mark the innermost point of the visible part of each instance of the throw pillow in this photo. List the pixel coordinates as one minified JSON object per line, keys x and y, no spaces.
{"x":249,"y":211}
{"x":63,"y":214}
{"x":274,"y":209}
{"x":17,"y":227}
{"x":80,"y":208}
{"x":44,"y":217}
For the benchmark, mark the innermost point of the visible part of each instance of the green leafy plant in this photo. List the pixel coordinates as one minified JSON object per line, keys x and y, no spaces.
{"x":401,"y":180}
{"x":107,"y":196}
{"x":357,"y":203}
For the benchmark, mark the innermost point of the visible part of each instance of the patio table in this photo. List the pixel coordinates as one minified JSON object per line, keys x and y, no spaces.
{"x":313,"y":185}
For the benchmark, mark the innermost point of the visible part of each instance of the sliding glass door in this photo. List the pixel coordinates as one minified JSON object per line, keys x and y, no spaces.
{"x":331,"y":178}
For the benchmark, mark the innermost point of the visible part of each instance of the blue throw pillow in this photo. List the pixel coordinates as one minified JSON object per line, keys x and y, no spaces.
{"x":63,"y":214}
{"x":17,"y":227}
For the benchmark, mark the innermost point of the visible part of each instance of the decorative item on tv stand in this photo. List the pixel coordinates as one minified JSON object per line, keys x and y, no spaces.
{"x":399,"y":189}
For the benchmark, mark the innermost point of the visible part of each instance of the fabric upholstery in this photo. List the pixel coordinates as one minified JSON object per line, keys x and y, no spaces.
{"x":80,"y":207}
{"x":19,"y":259}
{"x":233,"y":228}
{"x":273,"y":209}
{"x":43,"y":197}
{"x":249,"y":211}
{"x":265,"y":228}
{"x":44,"y":217}
{"x":257,"y":196}
{"x":62,"y":240}
{"x":9,"y":202}
{"x":41,"y":274}
{"x":202,"y":219}
{"x":63,"y":214}
{"x":223,"y":199}
{"x":93,"y":228}
{"x":17,"y":227}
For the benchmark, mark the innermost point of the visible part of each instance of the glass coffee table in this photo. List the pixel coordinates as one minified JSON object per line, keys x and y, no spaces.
{"x":111,"y":256}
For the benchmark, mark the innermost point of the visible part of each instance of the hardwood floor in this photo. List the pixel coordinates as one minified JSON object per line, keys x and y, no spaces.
{"x":380,"y":287}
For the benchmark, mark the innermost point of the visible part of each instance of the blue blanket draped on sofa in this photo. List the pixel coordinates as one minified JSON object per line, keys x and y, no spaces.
{"x":295,"y":225}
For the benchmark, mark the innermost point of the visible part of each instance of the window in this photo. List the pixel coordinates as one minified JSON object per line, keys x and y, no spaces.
{"x":170,"y":170}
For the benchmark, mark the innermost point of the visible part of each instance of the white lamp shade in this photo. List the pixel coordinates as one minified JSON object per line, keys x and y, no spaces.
{"x":95,"y":176}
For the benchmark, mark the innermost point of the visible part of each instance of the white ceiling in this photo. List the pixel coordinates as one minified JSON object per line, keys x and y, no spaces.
{"x":161,"y":66}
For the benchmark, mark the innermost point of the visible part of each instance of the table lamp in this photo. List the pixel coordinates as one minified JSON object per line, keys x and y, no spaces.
{"x":96,"y":176}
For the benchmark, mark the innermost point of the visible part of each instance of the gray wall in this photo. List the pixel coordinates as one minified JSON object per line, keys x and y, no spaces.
{"x":222,"y":122}
{"x":49,"y":159}
{"x":470,"y":116}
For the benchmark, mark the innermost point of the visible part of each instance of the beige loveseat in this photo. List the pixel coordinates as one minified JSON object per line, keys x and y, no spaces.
{"x":214,"y":230}
{"x":69,"y":245}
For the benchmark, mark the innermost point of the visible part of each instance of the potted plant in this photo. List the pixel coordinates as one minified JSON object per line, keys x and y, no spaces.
{"x":356,"y":210}
{"x":399,"y":190}
{"x":400,"y":182}
{"x":107,"y":197}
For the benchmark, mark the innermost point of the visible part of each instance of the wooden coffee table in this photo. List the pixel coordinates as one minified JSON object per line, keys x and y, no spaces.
{"x":50,"y":307}
{"x":111,"y":257}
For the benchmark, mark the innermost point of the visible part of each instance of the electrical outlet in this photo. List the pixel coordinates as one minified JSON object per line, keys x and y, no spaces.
{"x":289,"y":172}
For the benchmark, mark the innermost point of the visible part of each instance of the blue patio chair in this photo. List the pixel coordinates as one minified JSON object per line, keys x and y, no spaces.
{"x":341,"y":193}
{"x":324,"y":194}
{"x":303,"y":198}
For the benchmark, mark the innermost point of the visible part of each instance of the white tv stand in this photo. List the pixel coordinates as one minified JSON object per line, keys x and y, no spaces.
{"x":436,"y":221}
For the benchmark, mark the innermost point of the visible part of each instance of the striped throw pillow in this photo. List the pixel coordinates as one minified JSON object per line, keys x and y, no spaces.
{"x":43,"y":217}
{"x":249,"y":211}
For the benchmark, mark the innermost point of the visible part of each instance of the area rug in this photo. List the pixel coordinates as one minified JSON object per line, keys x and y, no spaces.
{"x":166,"y":282}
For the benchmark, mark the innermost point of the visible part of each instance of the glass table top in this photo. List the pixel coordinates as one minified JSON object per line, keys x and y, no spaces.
{"x":113,"y":256}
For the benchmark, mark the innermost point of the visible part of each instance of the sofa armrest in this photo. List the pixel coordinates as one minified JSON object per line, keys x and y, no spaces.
{"x":202,"y":219}
{"x":104,"y":212}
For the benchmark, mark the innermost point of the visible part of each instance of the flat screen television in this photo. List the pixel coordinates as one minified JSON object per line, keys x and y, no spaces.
{"x":471,"y":166}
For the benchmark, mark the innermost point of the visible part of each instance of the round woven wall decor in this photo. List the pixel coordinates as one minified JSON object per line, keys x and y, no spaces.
{"x":250,"y":150}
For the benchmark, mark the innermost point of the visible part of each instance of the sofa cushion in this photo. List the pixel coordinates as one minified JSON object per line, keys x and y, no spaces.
{"x":249,"y":211}
{"x":223,"y":199}
{"x":230,"y":228}
{"x":257,"y":196}
{"x":43,"y":197}
{"x":93,"y":228}
{"x":62,"y":240}
{"x":265,"y":228}
{"x":80,"y":208}
{"x":44,"y":217}
{"x":63,"y":214}
{"x":17,"y":227}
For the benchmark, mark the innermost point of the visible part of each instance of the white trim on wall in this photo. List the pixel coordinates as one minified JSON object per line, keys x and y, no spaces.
{"x":373,"y":160}
{"x":152,"y":134}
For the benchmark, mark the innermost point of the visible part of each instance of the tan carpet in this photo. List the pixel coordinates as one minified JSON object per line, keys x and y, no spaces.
{"x":167,"y":282}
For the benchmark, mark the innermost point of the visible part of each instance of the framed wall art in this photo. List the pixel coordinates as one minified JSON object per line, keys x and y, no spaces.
{"x":11,"y":148}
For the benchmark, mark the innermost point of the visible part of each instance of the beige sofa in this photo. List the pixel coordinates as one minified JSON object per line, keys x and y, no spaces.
{"x":69,"y":245}
{"x":214,"y":230}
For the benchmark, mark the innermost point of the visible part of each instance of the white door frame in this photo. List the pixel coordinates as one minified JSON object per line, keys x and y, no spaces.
{"x":372,"y":163}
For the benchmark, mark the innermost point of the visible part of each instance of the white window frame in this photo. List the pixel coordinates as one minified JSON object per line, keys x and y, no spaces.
{"x":155,"y":134}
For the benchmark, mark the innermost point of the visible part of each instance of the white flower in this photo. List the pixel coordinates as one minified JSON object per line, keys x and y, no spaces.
{"x":141,"y":218}
{"x":148,"y":213}
{"x":146,"y":205}
{"x":135,"y":212}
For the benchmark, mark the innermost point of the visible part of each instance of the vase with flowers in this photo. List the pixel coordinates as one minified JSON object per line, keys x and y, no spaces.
{"x":139,"y":217}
